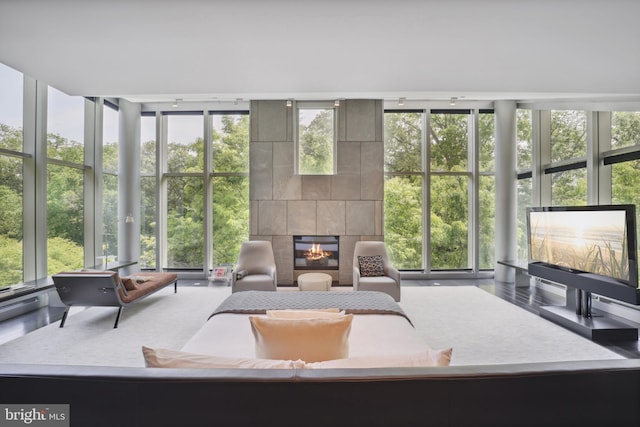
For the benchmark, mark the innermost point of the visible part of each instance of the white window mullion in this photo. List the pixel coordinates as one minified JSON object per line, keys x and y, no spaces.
{"x":208,"y":194}
{"x":161,"y":192}
{"x":473,"y":203}
{"x":426,"y":191}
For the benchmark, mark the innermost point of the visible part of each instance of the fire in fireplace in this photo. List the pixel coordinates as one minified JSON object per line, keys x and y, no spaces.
{"x":316,"y":252}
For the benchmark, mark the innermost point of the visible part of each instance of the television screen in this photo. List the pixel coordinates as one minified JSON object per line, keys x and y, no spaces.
{"x":585,"y":239}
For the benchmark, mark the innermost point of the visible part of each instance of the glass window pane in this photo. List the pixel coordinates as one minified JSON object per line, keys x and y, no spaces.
{"x":449,"y":222}
{"x":110,"y":139}
{"x":110,"y":224}
{"x":316,"y":140}
{"x":148,"y":149}
{"x":148,"y":192}
{"x":230,"y":143}
{"x":147,"y":222}
{"x":185,"y":222}
{"x":230,"y":217}
{"x":525,"y":192}
{"x":625,"y":129}
{"x":65,"y":220}
{"x":524,"y":139}
{"x":486,"y":235}
{"x":486,"y":131}
{"x":487,"y":222}
{"x":403,"y":221}
{"x":230,"y":147}
{"x":449,"y":142}
{"x":568,"y":135}
{"x":403,"y":142}
{"x":11,"y":178}
{"x":186,"y":144}
{"x":625,"y":181}
{"x":11,"y":88}
{"x":65,"y":127}
{"x":110,"y":217}
{"x":11,"y":264}
{"x":569,"y":188}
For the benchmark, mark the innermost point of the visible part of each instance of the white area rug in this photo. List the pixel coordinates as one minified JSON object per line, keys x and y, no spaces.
{"x":484,"y":329}
{"x":481,"y":328}
{"x":164,"y":319}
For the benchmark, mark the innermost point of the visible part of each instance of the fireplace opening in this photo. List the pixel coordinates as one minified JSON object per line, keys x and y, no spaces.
{"x":316,"y":252}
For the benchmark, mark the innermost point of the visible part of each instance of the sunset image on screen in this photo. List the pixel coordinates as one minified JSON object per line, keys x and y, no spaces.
{"x":589,"y":241}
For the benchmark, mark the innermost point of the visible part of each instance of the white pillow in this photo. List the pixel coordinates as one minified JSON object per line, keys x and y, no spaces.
{"x":312,"y":340}
{"x":165,"y":358}
{"x":420,"y":359}
{"x":329,"y":313}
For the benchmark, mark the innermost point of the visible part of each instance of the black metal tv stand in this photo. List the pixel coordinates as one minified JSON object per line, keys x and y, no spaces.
{"x":582,"y":320}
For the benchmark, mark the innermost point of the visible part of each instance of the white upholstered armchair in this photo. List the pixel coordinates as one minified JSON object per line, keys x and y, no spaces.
{"x":372,"y":270}
{"x":256,"y":268}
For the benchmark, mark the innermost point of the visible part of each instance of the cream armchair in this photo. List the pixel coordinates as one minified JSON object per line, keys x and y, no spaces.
{"x":256,"y":268}
{"x":372,"y":270}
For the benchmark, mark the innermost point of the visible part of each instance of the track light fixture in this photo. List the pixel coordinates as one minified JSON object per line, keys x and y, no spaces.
{"x":289,"y":103}
{"x":453,"y":100}
{"x":175,"y":103}
{"x":336,"y":103}
{"x":401,"y":101}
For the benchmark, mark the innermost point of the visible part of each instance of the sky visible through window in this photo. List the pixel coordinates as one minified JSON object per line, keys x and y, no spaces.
{"x":182,"y":131}
{"x":11,"y":97}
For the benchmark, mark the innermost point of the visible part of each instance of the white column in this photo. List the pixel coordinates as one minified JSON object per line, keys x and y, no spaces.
{"x":506,"y":196}
{"x":129,"y":182}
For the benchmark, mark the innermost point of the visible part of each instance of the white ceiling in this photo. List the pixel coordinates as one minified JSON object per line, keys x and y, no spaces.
{"x":160,"y":50}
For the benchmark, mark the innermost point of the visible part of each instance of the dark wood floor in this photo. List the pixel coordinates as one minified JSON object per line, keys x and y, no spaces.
{"x":530,"y":299}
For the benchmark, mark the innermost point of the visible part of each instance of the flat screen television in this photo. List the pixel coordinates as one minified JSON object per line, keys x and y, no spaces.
{"x":591,"y":248}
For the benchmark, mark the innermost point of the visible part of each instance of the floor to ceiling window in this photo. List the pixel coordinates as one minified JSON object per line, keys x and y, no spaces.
{"x":65,"y":181}
{"x":450,"y":188}
{"x":439,"y":202}
{"x":403,"y":188}
{"x":11,"y":176}
{"x":148,"y":191}
{"x":203,"y":204}
{"x":185,"y":191}
{"x":524,"y":186}
{"x":230,"y":184}
{"x":487,"y":190}
{"x":110,"y":220}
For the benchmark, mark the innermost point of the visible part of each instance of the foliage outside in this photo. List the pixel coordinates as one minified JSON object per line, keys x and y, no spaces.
{"x":448,"y":207}
{"x":403,"y":204}
{"x":65,"y":207}
{"x":316,"y":142}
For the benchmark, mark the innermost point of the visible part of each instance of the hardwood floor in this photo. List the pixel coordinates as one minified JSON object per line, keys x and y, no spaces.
{"x":530,"y":299}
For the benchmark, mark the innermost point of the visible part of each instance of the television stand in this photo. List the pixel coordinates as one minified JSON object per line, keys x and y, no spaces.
{"x":596,"y":328}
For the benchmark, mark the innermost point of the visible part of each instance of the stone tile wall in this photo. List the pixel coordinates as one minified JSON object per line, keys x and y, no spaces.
{"x":348,"y":204}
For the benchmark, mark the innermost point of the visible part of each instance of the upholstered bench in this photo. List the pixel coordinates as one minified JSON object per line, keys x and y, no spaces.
{"x":107,"y":289}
